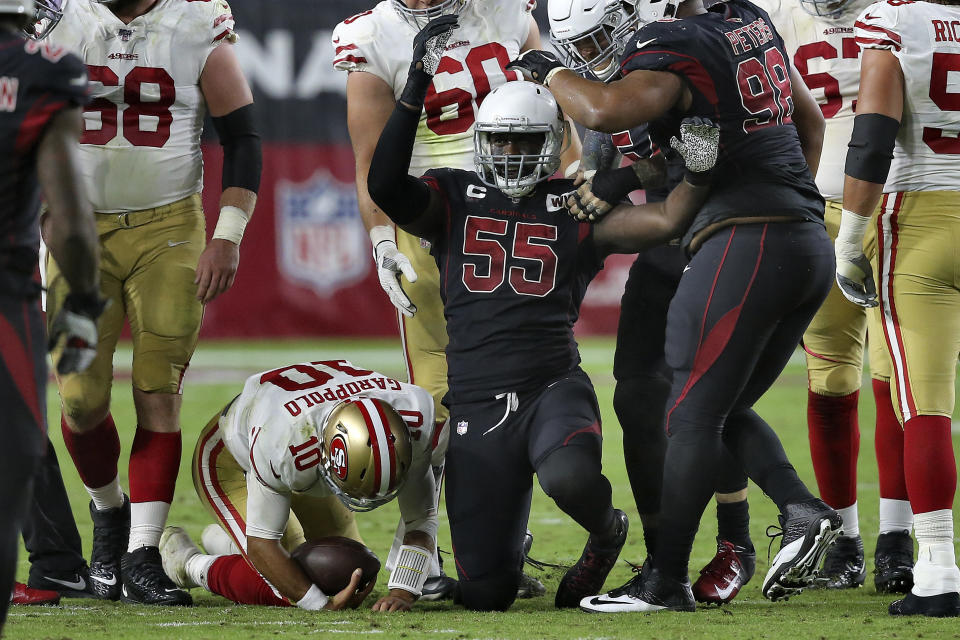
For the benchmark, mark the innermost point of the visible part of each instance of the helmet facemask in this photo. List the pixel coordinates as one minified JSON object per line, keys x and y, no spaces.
{"x":418,"y":18}
{"x":534,"y":155}
{"x":834,"y":9}
{"x":597,"y":50}
{"x":46,"y":17}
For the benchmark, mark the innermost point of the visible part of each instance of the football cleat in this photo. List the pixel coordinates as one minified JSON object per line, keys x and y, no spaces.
{"x":144,"y":581}
{"x":647,"y":592}
{"x":721,"y":580}
{"x":808,"y":529}
{"x":218,"y":542}
{"x":530,"y":587}
{"x":111,"y":531}
{"x":72,"y":584}
{"x":843,"y":566}
{"x":441,"y":587}
{"x":24,"y":595}
{"x":176,"y":548}
{"x":586,"y":577}
{"x":893,"y":562}
{"x":942,"y":605}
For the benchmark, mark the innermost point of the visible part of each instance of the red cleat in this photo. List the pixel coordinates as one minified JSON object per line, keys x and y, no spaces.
{"x":22,"y":594}
{"x":721,"y":580}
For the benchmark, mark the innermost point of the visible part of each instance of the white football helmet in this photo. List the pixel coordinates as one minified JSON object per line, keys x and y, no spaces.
{"x":519,"y":108}
{"x":420,"y":17}
{"x":591,"y":34}
{"x":39,"y":16}
{"x":835,"y":9}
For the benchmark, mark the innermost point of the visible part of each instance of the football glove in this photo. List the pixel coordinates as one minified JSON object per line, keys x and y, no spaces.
{"x":428,"y":48}
{"x":855,"y":279}
{"x":536,"y":66}
{"x":390,"y":264}
{"x":76,"y":326}
{"x":698,"y":144}
{"x":601,"y":192}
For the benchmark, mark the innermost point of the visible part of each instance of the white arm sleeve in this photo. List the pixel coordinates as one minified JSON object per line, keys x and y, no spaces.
{"x":416,"y":500}
{"x":267,"y":510}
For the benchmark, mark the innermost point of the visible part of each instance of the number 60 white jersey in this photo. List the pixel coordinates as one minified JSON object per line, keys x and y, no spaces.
{"x":271,"y":428}
{"x":489,"y":36}
{"x":925,"y":38}
{"x":141,"y":135}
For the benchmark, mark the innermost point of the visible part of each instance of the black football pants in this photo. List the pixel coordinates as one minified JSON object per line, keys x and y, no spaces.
{"x":23,"y":379}
{"x":737,"y":317}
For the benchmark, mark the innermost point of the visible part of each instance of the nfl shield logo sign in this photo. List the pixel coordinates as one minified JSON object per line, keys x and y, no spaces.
{"x":321,"y":242}
{"x":462,"y":427}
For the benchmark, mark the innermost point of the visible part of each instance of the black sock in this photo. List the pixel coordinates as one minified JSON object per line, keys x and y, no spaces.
{"x":733,"y":523}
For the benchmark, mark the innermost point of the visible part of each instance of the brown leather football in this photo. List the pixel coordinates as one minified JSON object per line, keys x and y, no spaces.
{"x":329,"y":562}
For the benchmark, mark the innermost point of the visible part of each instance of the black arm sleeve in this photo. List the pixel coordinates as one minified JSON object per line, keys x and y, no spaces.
{"x":242,"y":157}
{"x":401,"y":196}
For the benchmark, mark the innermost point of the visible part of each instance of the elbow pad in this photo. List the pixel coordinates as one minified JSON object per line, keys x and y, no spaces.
{"x":242,"y":159}
{"x":871,"y":147}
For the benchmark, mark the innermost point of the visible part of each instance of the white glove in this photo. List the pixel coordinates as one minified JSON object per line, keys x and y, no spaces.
{"x":854,"y":274}
{"x":390,"y":264}
{"x":76,"y":325}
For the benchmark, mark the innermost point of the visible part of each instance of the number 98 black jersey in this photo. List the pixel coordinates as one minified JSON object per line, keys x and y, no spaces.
{"x":512,"y":277}
{"x":737,"y":69}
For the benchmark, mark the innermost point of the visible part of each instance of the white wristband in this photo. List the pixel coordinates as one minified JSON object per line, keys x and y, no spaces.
{"x":551,"y":73}
{"x":230,"y":224}
{"x":410,"y":571}
{"x":313,"y":600}
{"x":849,"y":244}
{"x":381,"y":233}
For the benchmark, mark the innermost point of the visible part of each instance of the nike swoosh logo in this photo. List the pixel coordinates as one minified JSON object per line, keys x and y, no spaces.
{"x":171,"y":590}
{"x":171,"y":243}
{"x":112,"y":581}
{"x":686,"y":268}
{"x":641,"y":45}
{"x":274,"y":472}
{"x":78,"y":584}
{"x":867,"y":16}
{"x":725,"y":592}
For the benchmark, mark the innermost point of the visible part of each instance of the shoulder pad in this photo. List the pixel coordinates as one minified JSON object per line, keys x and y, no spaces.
{"x":878,"y":26}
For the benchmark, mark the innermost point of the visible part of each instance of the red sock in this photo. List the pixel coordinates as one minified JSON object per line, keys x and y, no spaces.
{"x":888,"y":443}
{"x":95,"y":453}
{"x":834,"y":445}
{"x":929,"y":466}
{"x":233,"y":578}
{"x":154,"y":465}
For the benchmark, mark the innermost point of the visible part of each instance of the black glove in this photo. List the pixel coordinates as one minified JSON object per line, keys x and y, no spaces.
{"x":699,"y":145}
{"x":535,"y":65}
{"x":428,"y":48}
{"x":601,"y":193}
{"x":76,"y":325}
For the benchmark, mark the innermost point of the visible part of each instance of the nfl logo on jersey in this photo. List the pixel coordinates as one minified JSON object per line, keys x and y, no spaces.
{"x":462,"y":427}
{"x":321,"y":242}
{"x":125,"y":34}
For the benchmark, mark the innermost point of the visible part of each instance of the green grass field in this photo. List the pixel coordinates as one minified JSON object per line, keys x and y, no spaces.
{"x":216,"y":376}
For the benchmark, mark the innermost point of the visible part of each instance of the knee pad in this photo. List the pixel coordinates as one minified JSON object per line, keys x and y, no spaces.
{"x":495,"y":592}
{"x":639,"y":403}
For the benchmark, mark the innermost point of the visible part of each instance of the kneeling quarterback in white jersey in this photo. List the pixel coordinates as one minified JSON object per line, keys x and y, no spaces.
{"x":321,"y":440}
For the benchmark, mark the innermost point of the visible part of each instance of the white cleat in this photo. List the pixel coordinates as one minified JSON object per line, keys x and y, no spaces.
{"x":176,"y":548}
{"x":218,"y":542}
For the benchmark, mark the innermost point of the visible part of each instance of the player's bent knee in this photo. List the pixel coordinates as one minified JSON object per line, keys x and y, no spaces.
{"x":833,"y":379}
{"x":570,"y":473}
{"x":160,"y":362}
{"x":493,"y":593}
{"x":85,"y":401}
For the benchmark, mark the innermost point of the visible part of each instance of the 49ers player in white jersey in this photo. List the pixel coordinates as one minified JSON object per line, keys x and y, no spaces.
{"x":374,"y":47}
{"x":908,"y":109}
{"x":825,"y":52}
{"x":156,"y":67}
{"x":316,"y":438}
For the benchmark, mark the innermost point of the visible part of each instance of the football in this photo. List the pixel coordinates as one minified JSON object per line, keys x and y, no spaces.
{"x":329,"y":562}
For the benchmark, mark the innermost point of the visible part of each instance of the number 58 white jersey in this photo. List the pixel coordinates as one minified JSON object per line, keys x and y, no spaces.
{"x":141,"y":132}
{"x":489,"y":35}
{"x":925,"y":37}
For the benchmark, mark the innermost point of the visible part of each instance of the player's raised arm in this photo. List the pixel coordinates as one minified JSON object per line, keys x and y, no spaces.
{"x":409,"y":202}
{"x":628,"y":229}
{"x":230,"y":101}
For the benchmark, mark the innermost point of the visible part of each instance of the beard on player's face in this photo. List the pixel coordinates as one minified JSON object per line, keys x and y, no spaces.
{"x":122,"y":5}
{"x":421,"y":4}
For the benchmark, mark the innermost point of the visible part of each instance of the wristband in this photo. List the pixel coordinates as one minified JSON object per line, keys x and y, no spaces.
{"x":230,"y":224}
{"x":697,"y":179}
{"x":313,"y":599}
{"x":849,"y":244}
{"x":382,"y":233}
{"x":551,"y":73}
{"x":410,"y":572}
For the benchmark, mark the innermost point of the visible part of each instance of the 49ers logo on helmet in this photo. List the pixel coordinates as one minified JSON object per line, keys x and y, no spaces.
{"x":338,"y":456}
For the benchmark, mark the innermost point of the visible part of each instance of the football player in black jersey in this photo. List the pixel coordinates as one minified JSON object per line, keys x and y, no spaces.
{"x":513,"y":272}
{"x":760,"y":269}
{"x":591,"y":43}
{"x":41,"y":91}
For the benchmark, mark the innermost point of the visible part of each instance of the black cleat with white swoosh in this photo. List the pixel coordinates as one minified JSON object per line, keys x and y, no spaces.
{"x":144,"y":581}
{"x":647,"y":592}
{"x":111,"y":530}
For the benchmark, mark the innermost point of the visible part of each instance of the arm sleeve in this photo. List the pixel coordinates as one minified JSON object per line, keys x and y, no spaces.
{"x":401,"y":196}
{"x":267,"y":510}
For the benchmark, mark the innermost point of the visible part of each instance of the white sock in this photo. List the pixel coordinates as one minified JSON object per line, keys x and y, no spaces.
{"x":109,"y":496}
{"x":146,"y":523}
{"x":851,"y":522}
{"x":936,"y":570}
{"x":895,"y":515}
{"x":197,"y":568}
